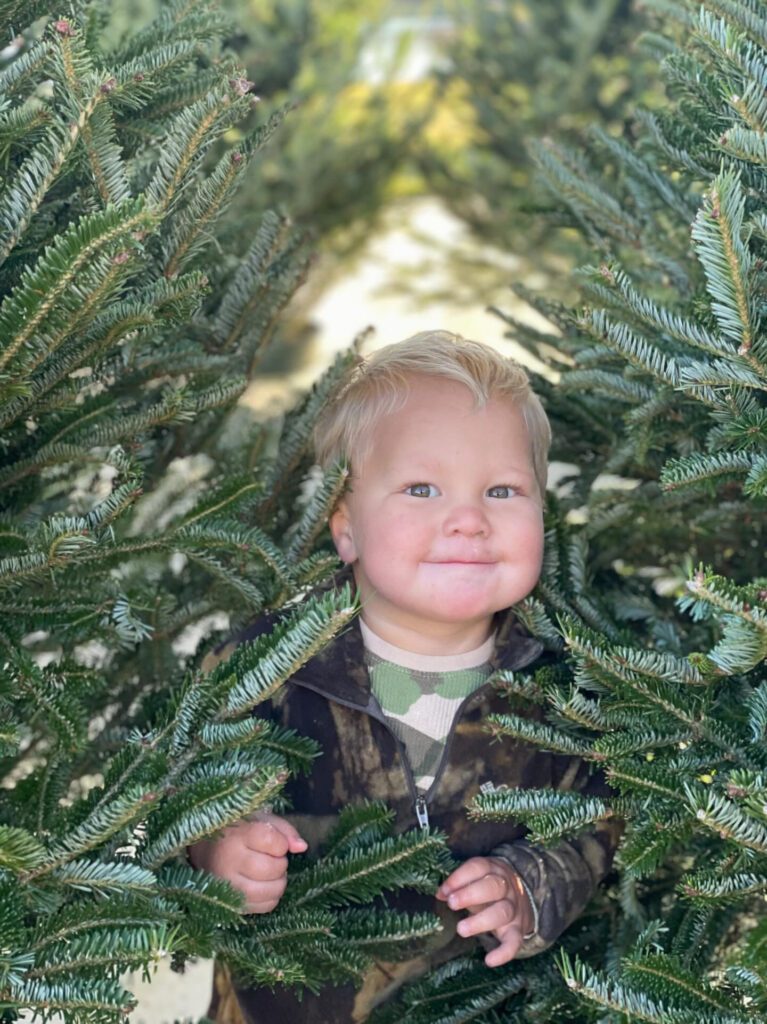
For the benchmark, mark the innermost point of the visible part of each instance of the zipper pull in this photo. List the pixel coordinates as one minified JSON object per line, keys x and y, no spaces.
{"x":421,"y":812}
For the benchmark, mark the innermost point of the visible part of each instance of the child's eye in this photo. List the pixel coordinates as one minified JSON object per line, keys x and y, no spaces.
{"x":422,"y":491}
{"x":501,"y":491}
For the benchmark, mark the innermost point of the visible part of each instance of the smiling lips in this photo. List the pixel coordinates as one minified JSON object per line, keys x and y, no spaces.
{"x":461,"y":561}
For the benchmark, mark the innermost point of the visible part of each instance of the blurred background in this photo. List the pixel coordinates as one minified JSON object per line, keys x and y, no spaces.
{"x":402,"y":161}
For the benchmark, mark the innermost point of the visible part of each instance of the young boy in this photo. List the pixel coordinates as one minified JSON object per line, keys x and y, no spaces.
{"x":442,"y":528}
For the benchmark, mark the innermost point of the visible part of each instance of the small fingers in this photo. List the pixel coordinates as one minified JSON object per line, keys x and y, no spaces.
{"x":470,"y":871}
{"x":489,"y":888}
{"x":508,"y":949}
{"x":264,"y":837}
{"x":261,"y":867}
{"x":496,"y":916}
{"x":260,"y":897}
{"x":296,"y":844}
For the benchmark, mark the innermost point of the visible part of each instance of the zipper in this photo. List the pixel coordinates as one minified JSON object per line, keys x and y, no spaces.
{"x":420,"y":805}
{"x":422,"y":811}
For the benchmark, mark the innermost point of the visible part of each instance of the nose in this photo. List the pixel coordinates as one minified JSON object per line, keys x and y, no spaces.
{"x":466,"y":520}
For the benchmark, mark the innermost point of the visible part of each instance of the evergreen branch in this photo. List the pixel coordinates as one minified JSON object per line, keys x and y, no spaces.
{"x":664,"y":320}
{"x":194,"y":130}
{"x":564,"y":175}
{"x":648,"y":845}
{"x":413,"y":860}
{"x":720,"y":36}
{"x":25,"y":66}
{"x":216,"y":803}
{"x":164,"y":301}
{"x":227,"y":497}
{"x":246,"y":289}
{"x":295,"y":438}
{"x":191,"y":231}
{"x":634,"y":165}
{"x":638,"y":742}
{"x":199,"y":890}
{"x":548,"y":813}
{"x":193,"y":20}
{"x":383,"y":933}
{"x":285,"y":926}
{"x":536,"y":733}
{"x":75,"y":996}
{"x":756,"y":481}
{"x":719,"y":373}
{"x":724,"y":817}
{"x":252,"y":965}
{"x":679,"y":157}
{"x":35,"y":176}
{"x":705,"y":888}
{"x":315,"y":569}
{"x":124,"y":950}
{"x":665,"y":977}
{"x":319,"y":621}
{"x":215,"y":736}
{"x":298,"y":751}
{"x":598,"y":988}
{"x":229,"y":577}
{"x":19,"y":850}
{"x":710,"y":468}
{"x":99,"y":139}
{"x":643,"y":783}
{"x":654,"y":688}
{"x":51,"y":292}
{"x":316,"y":513}
{"x":230,"y":535}
{"x":98,"y":827}
{"x":104,"y":876}
{"x":638,"y":351}
{"x":737,"y":601}
{"x":726,"y":260}
{"x":613,"y":384}
{"x":79,"y":918}
{"x":62,"y":709}
{"x":757,"y":708}
{"x":357,"y":826}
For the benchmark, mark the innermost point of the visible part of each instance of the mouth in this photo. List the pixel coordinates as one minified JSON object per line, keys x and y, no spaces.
{"x":460,"y":561}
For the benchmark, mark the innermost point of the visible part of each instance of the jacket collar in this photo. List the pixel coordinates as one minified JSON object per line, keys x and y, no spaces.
{"x":339,"y":673}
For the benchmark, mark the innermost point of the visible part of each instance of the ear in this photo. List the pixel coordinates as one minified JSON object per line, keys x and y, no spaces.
{"x":341,"y":532}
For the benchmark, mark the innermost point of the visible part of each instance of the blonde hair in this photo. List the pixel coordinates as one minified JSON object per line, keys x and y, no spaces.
{"x":378,"y":386}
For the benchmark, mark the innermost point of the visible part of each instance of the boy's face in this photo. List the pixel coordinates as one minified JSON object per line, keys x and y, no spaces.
{"x":443,"y":522}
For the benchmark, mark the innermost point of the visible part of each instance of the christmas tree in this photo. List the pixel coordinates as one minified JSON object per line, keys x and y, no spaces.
{"x":518,"y":70}
{"x":133,"y":526}
{"x":654,"y":590}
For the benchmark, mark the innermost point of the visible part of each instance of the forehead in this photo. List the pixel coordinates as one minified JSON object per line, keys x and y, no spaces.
{"x":437,"y":416}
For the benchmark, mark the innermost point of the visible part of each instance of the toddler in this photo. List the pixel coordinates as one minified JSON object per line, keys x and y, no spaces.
{"x":441,"y":528}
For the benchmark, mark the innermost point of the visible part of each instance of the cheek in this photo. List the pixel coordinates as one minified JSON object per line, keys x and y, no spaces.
{"x":392,"y":540}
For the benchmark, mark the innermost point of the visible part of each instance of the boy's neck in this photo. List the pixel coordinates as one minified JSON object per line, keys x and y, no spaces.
{"x":442,"y":638}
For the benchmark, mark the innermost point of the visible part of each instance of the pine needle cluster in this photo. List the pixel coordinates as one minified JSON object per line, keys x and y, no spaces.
{"x":132,"y":528}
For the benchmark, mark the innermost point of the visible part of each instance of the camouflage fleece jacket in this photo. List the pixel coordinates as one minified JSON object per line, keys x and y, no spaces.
{"x":330,"y":700}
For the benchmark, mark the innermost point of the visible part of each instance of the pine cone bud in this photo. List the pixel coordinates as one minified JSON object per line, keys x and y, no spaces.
{"x":108,"y":86}
{"x":241,"y":85}
{"x":63,"y":28}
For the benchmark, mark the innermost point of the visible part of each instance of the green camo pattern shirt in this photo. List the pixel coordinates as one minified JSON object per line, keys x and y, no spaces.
{"x":420,"y":695}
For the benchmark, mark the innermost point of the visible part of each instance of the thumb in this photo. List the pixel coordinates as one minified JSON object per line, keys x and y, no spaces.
{"x":296,"y":844}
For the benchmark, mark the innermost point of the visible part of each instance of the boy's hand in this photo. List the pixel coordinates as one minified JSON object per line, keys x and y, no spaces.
{"x":252,"y":855}
{"x":491,"y":890}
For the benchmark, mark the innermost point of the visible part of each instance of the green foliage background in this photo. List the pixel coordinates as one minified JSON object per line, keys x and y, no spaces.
{"x":144,"y":275}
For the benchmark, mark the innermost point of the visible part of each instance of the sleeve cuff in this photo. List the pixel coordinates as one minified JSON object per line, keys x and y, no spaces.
{"x":526,"y":889}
